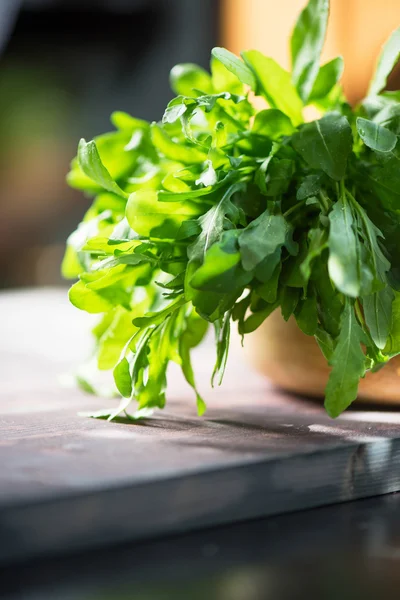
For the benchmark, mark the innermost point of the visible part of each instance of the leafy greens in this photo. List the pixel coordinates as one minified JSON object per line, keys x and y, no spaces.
{"x":223,"y":213}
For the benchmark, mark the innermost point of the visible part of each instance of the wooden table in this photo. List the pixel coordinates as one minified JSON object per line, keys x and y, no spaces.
{"x":68,"y":482}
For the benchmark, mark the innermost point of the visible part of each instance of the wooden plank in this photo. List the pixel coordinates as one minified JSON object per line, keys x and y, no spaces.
{"x":68,"y":482}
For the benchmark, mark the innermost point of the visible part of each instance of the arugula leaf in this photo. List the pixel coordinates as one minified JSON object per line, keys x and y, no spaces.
{"x":272,"y":123}
{"x":393,"y":343}
{"x":389,"y":117}
{"x":317,"y":243}
{"x":119,"y":329}
{"x":325,"y":342}
{"x":306,"y":45}
{"x":89,"y":300}
{"x":186,"y":77}
{"x":254,"y":321}
{"x":375,"y":136}
{"x":325,"y":144}
{"x":274,"y":84}
{"x":348,"y":364}
{"x":193,"y":333}
{"x":328,"y":76}
{"x":235,"y":66}
{"x":122,"y":378}
{"x":222,"y":212}
{"x":261,"y":239}
{"x":289,"y":300}
{"x":268,"y":290}
{"x":223,"y":332}
{"x":278,"y":176}
{"x":343,"y":250}
{"x":173,"y":150}
{"x":147,"y":215}
{"x":378,"y":315}
{"x":387,"y":61}
{"x":306,"y":315}
{"x":90,"y":163}
{"x":212,"y":224}
{"x":310,"y":186}
{"x":222,"y":269}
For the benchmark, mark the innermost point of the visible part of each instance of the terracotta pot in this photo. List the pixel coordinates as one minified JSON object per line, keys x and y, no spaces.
{"x":293,"y":361}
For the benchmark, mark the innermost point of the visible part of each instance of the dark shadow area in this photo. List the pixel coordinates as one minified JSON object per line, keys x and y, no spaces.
{"x":343,"y":551}
{"x":65,"y":66}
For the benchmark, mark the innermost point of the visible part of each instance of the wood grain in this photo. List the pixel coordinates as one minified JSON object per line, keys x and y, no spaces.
{"x":68,"y":482}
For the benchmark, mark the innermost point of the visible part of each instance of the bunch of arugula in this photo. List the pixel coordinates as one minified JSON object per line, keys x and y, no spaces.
{"x":224,"y":213}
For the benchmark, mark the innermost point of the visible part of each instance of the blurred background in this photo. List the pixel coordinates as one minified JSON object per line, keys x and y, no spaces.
{"x":65,"y":65}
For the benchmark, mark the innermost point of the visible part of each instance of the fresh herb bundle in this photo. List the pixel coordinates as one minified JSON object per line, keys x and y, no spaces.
{"x":224,"y":213}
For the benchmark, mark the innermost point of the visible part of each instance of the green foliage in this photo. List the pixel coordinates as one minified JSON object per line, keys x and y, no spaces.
{"x":375,"y":136}
{"x":222,"y":213}
{"x":325,"y":144}
{"x":306,"y":45}
{"x":348,"y":363}
{"x":387,"y":61}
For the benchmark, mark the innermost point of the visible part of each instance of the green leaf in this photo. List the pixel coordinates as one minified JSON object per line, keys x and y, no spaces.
{"x":194,"y":332}
{"x":254,"y":321}
{"x":267,"y":267}
{"x":126,"y":123}
{"x":289,"y":300}
{"x":343,"y":255}
{"x":278,"y":176}
{"x":389,"y":117}
{"x":175,"y":151}
{"x":157,"y":318}
{"x":306,"y":315}
{"x":317,"y":243}
{"x":272,"y":123}
{"x":393,"y":342}
{"x":212,"y":224}
{"x":222,"y":270}
{"x":187,"y":77}
{"x":268,"y":290}
{"x":327,"y":78}
{"x":325,"y":342}
{"x":348,"y":364}
{"x":375,"y":136}
{"x":306,"y":45}
{"x":325,"y":144}
{"x":235,"y":66}
{"x":223,"y":80}
{"x":86,"y":299}
{"x":310,"y":186}
{"x":384,"y":179}
{"x":148,"y":216}
{"x":274,"y":83}
{"x":122,"y":378}
{"x":223,"y":332}
{"x":114,"y":338}
{"x":262,"y":238}
{"x":373,"y":264}
{"x":378,"y":315}
{"x":91,"y":164}
{"x":223,"y":210}
{"x":71,"y":266}
{"x":329,"y":301}
{"x":386,"y":62}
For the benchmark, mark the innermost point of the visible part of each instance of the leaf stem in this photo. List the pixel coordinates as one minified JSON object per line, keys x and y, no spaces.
{"x":293,"y":208}
{"x":325,"y":201}
{"x":360,"y":316}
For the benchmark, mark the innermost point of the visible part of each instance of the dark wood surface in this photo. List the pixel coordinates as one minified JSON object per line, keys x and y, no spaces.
{"x":68,"y":482}
{"x":347,"y":551}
